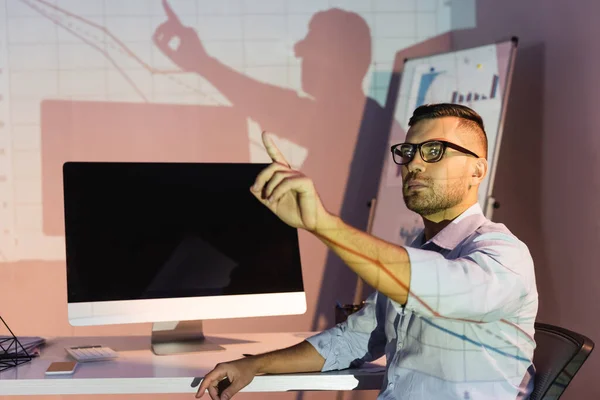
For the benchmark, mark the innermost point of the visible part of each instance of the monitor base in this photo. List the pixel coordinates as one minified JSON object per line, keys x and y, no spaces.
{"x":180,"y":337}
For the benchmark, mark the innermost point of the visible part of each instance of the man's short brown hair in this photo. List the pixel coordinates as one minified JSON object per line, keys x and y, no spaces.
{"x":469,"y":119}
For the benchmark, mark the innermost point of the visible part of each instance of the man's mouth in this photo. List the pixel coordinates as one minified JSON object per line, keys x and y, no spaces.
{"x":414,"y":184}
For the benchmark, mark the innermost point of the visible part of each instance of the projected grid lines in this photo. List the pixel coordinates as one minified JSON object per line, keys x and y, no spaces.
{"x":103,"y":51}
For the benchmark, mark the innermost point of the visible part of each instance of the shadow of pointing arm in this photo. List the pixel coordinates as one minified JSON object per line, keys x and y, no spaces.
{"x":268,"y":104}
{"x":274,"y":107}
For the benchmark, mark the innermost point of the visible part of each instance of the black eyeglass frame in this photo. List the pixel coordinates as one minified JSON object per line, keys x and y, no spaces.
{"x":418,"y":146}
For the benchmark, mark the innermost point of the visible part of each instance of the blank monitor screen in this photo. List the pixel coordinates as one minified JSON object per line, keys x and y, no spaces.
{"x":171,"y":230}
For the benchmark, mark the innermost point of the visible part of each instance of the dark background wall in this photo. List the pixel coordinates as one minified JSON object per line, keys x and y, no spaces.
{"x":548,"y":180}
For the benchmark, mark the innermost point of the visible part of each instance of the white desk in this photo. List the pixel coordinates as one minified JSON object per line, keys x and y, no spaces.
{"x":138,"y":370}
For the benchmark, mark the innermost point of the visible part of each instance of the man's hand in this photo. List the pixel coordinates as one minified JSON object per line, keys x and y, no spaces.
{"x":190,"y":53}
{"x":288,"y":193}
{"x":239,"y":373}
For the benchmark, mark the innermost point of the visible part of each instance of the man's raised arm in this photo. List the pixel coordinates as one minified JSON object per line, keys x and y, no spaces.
{"x":489,"y":282}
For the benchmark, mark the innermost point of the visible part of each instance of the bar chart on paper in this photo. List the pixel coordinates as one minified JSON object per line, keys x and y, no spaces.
{"x":469,"y":97}
{"x":427,"y":83}
{"x":470,"y":82}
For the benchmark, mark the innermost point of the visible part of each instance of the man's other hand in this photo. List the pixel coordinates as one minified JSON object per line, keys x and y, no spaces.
{"x":238,"y":374}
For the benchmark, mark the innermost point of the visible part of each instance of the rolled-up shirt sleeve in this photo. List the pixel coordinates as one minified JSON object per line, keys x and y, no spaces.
{"x":359,"y":339}
{"x":488,"y":282}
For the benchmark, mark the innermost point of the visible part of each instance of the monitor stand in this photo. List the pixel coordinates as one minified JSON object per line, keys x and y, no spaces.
{"x":180,"y":337}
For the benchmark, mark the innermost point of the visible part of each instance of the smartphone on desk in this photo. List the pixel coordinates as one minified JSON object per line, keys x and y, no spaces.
{"x":62,"y":368}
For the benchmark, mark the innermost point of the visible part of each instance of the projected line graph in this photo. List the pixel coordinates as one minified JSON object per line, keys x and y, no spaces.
{"x":475,"y":342}
{"x":21,"y":206}
{"x":105,"y":38}
{"x":383,"y":268}
{"x":450,"y":326}
{"x":87,"y":53}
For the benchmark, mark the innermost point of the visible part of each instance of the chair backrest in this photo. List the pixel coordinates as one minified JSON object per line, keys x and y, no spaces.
{"x":558,"y":356}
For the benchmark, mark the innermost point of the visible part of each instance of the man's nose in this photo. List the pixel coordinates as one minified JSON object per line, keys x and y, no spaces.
{"x":416,"y":164}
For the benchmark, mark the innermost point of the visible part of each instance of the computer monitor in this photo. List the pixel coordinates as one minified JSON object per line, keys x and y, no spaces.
{"x":175,"y":244}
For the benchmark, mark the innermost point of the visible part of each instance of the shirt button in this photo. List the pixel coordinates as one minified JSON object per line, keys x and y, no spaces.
{"x":391,"y":385}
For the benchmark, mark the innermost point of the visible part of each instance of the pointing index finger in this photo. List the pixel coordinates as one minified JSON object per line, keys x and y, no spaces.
{"x":171,"y":16}
{"x":273,"y":151}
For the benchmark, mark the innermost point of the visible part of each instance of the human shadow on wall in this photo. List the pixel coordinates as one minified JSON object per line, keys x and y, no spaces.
{"x":334,"y":58}
{"x":344,"y":130}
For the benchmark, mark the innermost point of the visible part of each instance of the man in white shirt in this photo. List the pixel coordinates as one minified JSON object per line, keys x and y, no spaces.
{"x":453,"y":313}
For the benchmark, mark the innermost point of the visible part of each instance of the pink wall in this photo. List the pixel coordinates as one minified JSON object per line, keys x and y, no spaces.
{"x":346,"y":133}
{"x":547,"y":180}
{"x":546,"y":183}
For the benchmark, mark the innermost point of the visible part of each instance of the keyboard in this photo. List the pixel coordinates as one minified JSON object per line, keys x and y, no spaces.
{"x":91,"y":353}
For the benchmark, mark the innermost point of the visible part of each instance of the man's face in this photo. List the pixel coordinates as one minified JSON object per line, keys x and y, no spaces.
{"x":429,"y":188}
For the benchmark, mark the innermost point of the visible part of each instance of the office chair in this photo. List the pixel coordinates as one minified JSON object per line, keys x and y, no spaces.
{"x":558,"y":356}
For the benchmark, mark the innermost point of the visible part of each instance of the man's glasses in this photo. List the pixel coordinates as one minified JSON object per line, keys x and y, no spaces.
{"x":431,"y":151}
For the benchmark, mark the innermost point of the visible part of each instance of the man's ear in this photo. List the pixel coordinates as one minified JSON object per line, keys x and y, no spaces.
{"x":480,"y":168}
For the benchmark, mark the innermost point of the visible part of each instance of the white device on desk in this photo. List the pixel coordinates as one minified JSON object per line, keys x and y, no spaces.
{"x":61,"y":368}
{"x":91,"y":353}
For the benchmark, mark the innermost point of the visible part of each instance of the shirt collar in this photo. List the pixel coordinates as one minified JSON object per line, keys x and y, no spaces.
{"x":457,"y":230}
